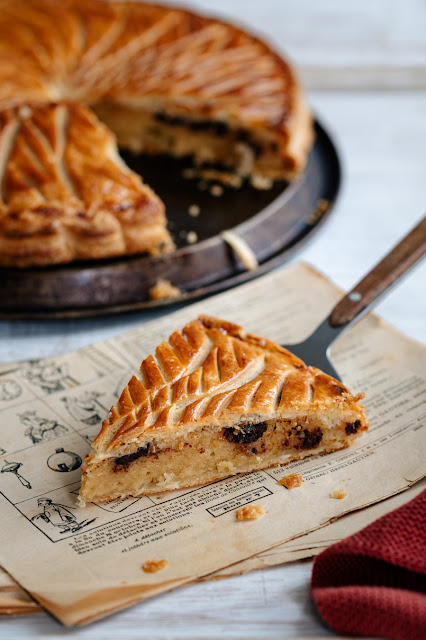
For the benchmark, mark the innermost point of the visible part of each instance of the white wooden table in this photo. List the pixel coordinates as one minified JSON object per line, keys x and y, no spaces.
{"x":365,"y":66}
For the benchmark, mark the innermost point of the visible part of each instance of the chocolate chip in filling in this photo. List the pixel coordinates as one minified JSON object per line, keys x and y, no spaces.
{"x":352,"y":427}
{"x":310,"y":439}
{"x":244,"y":434}
{"x":128,"y":458}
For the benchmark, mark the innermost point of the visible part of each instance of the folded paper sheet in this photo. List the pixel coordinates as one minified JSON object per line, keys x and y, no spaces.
{"x":82,"y":564}
{"x":15,"y":601}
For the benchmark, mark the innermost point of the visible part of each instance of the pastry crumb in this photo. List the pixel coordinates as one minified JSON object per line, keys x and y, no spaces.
{"x":250,"y":512}
{"x":152,"y":566}
{"x":225,"y":177}
{"x":292,"y":481}
{"x":208,"y":175}
{"x":164,"y":289}
{"x":260,"y":182}
{"x":80,"y":502}
{"x":339,"y":494}
{"x":194,"y":210}
{"x":323,"y":205}
{"x":191,"y":237}
{"x":320,"y":210}
{"x":216,"y":190}
{"x":245,"y":253}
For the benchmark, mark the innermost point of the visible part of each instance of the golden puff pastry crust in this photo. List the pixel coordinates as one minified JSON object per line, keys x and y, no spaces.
{"x":66,"y":193}
{"x":163,"y":80}
{"x":212,"y":402}
{"x":132,"y":52}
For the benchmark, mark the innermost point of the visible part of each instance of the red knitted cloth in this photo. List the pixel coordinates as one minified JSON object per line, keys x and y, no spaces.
{"x":374,"y":582}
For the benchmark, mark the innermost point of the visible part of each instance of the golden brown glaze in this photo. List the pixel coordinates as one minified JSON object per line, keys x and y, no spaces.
{"x":213,"y":402}
{"x":127,"y":51}
{"x":118,"y":55}
{"x":65,"y":192}
{"x":214,"y":373}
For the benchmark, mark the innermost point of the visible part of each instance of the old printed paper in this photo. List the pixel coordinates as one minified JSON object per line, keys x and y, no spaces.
{"x":311,"y":544}
{"x":84,"y":563}
{"x":15,"y":601}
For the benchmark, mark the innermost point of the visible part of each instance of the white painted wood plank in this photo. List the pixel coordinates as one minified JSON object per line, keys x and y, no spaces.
{"x":271,"y":603}
{"x":381,"y":138}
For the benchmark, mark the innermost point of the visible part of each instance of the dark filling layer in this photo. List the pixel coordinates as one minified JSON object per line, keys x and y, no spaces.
{"x":125,"y":460}
{"x":247,"y":434}
{"x":218,"y":128}
{"x":244,"y":434}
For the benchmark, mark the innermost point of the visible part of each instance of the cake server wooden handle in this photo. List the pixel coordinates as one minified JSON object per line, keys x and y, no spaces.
{"x":381,"y":277}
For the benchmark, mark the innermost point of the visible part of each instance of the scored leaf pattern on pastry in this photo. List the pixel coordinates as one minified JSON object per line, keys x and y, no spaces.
{"x":121,"y":59}
{"x":90,"y":51}
{"x":211,"y":369}
{"x":62,"y":181}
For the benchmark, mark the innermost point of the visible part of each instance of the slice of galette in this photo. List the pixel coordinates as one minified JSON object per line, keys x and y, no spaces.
{"x":214,"y":402}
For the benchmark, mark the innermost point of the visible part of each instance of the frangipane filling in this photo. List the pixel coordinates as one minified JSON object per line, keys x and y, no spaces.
{"x":208,"y":141}
{"x":207,"y":454}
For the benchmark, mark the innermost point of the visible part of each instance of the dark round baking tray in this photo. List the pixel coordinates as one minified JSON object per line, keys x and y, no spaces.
{"x":274,"y":223}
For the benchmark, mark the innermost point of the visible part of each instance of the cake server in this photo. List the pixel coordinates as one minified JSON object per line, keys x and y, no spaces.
{"x":362,"y":297}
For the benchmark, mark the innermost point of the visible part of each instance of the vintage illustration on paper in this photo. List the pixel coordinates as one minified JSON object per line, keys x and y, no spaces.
{"x":48,"y":376}
{"x":59,"y":516}
{"x":13,"y":467}
{"x":9,"y":390}
{"x":64,"y":461}
{"x":86,"y":407}
{"x":40,"y":429}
